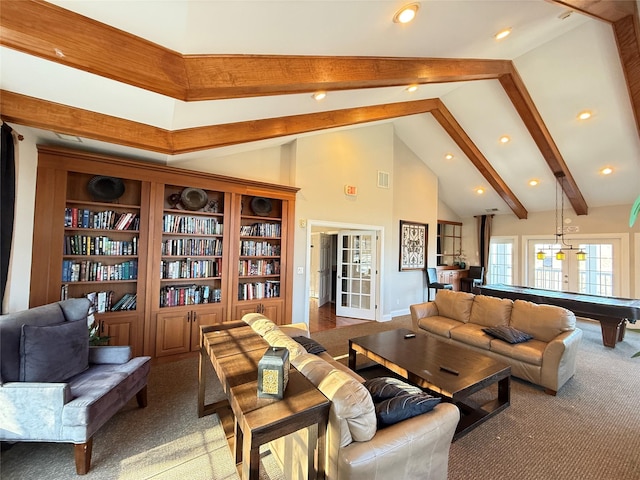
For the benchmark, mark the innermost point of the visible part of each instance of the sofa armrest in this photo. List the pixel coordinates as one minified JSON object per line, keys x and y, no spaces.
{"x":414,"y":448}
{"x":559,"y":359}
{"x":109,"y":355}
{"x":30,"y":410}
{"x":422,"y":310}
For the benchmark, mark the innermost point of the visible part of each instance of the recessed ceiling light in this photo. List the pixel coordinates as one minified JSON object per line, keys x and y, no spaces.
{"x":406,"y":13}
{"x":480,"y":191}
{"x":502,"y":34}
{"x":533,"y":182}
{"x":504,"y":139}
{"x":412,"y":88}
{"x":319,"y":95}
{"x":606,"y":171}
{"x":584,"y":115}
{"x":449,"y":156}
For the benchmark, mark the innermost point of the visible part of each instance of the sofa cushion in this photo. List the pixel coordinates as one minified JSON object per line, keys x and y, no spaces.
{"x":490,"y":311}
{"x":471,"y":334}
{"x":439,"y":325}
{"x":259,"y":323}
{"x":276,"y":338}
{"x":53,"y":353}
{"x":508,"y":334}
{"x":544,"y":322}
{"x":382,"y":388}
{"x":529,"y":352}
{"x":351,"y":402}
{"x":401,"y":407}
{"x":456,"y":305}
{"x":310,"y":345}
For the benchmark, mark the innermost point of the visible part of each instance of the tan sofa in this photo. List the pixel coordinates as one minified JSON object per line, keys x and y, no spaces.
{"x":355,"y":449}
{"x":548,"y":360}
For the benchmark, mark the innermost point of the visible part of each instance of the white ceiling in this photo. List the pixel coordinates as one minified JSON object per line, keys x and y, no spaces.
{"x":568,"y":65}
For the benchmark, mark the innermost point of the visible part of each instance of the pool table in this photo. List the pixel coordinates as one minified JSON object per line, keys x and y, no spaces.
{"x":613,"y":313}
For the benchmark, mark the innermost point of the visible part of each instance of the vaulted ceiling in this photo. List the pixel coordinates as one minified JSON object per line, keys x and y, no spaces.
{"x":174,"y":80}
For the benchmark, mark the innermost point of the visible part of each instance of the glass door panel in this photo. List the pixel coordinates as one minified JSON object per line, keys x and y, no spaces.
{"x":356,"y":259}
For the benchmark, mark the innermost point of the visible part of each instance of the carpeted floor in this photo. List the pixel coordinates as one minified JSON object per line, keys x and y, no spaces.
{"x":590,"y":430}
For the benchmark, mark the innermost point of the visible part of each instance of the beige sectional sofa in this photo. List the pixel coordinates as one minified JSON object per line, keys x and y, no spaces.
{"x":548,"y":359}
{"x":356,"y":449}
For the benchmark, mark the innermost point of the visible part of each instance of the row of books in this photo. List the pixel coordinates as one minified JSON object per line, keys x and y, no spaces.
{"x":252,"y":248}
{"x":90,"y":271}
{"x":192,"y":246}
{"x":178,"y":295}
{"x":104,"y":220}
{"x":191,"y":225}
{"x":259,"y":290}
{"x":189,"y":268}
{"x":261,"y":230}
{"x":102,"y":301}
{"x":259,"y":267}
{"x":100,"y":245}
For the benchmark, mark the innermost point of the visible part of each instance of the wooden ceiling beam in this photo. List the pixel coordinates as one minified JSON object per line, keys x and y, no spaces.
{"x":607,"y":10}
{"x":444,"y":117}
{"x":523,"y":103}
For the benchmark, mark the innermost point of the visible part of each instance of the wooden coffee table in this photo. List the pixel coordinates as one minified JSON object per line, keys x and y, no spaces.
{"x":449,"y":371}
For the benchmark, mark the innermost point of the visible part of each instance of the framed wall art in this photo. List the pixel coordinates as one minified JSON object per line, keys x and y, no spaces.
{"x":413,"y":245}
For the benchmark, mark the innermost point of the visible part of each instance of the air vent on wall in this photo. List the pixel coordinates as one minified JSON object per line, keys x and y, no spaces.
{"x":383,"y":179}
{"x":491,"y":210}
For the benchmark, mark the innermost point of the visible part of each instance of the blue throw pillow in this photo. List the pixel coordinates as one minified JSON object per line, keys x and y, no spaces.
{"x":382,"y":388}
{"x":53,"y":353}
{"x":310,"y":345}
{"x":508,"y":334}
{"x":396,"y":409}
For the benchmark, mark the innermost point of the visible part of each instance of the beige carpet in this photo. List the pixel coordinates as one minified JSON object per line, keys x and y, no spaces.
{"x":591,"y":430}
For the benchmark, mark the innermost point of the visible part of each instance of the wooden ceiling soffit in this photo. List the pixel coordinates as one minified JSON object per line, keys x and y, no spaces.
{"x":34,"y":112}
{"x":200,"y":138}
{"x":523,"y":103}
{"x":608,"y":10}
{"x":51,"y":32}
{"x":456,"y":132}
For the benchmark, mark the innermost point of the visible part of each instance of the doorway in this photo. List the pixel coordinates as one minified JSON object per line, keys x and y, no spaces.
{"x":344,"y":274}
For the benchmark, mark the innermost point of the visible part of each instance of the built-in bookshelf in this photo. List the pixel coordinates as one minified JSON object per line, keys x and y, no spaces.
{"x":155,"y":268}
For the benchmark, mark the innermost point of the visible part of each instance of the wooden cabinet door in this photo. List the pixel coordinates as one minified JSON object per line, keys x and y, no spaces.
{"x":173,"y":332}
{"x":211,"y":316}
{"x":122,"y":329}
{"x":271,"y":309}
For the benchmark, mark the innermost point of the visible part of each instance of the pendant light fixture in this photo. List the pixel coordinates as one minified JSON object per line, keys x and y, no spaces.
{"x":581,"y":255}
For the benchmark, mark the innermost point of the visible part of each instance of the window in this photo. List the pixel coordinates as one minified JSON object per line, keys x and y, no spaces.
{"x":595,"y":274}
{"x":500,"y":267}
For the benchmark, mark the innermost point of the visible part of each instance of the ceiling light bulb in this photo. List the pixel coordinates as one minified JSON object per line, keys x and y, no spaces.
{"x":541,"y":255}
{"x":480,"y":191}
{"x":606,"y":170}
{"x":560,"y":255}
{"x":502,"y":34}
{"x":533,"y":182}
{"x":412,"y":88}
{"x":584,"y":115}
{"x":504,"y":139}
{"x":319,"y":95}
{"x":406,"y":13}
{"x":449,"y":156}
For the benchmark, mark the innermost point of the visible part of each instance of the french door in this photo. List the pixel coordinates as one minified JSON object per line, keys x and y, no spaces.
{"x":599,"y":274}
{"x":356,"y":286}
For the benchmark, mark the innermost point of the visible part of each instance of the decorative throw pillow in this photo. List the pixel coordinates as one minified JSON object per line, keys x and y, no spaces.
{"x":53,"y":353}
{"x":401,"y":407}
{"x":382,"y":388}
{"x":508,"y":334}
{"x":310,"y":345}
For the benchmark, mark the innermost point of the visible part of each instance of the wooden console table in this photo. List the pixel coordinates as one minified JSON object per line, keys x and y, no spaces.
{"x":234,"y":351}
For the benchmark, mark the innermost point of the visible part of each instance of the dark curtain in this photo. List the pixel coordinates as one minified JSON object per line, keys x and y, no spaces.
{"x":484,"y":236}
{"x":7,"y":196}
